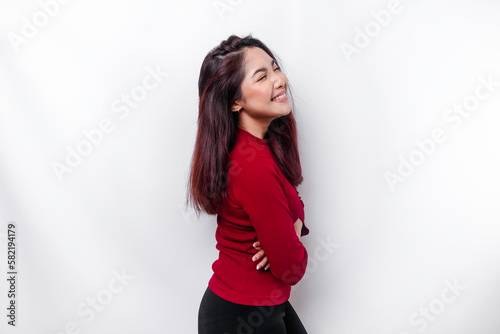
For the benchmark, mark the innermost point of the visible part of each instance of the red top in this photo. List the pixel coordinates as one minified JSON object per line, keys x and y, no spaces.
{"x":261,"y":205}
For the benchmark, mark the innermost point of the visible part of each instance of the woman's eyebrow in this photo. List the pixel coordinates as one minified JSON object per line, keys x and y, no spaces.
{"x":263,"y":69}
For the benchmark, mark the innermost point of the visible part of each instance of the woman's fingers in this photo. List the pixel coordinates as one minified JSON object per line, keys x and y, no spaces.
{"x":258,"y":255}
{"x":262,"y":263}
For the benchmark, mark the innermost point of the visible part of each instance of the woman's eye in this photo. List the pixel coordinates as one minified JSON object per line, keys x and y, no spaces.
{"x":262,"y":77}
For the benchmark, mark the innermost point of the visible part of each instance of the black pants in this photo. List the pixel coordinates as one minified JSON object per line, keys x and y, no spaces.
{"x":219,"y":316}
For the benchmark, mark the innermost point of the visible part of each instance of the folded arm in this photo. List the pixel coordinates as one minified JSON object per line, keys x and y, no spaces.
{"x":260,"y":190}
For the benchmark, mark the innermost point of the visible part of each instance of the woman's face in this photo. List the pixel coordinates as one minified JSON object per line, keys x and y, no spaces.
{"x":264,"y":87}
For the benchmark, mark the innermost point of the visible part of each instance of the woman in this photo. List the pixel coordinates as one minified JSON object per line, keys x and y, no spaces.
{"x":245,"y":169}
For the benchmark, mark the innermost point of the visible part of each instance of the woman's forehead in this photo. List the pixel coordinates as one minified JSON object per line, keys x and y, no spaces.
{"x":256,"y":58}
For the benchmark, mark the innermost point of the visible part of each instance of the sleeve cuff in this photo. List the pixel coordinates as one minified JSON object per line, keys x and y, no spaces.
{"x":305,"y":230}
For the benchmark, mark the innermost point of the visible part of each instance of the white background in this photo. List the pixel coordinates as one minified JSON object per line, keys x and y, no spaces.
{"x":122,"y":208}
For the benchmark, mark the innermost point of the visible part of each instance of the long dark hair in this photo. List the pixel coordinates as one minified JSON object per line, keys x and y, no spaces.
{"x":221,"y":74}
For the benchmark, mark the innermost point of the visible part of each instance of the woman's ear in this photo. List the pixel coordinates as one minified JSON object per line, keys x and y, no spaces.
{"x":236,"y":105}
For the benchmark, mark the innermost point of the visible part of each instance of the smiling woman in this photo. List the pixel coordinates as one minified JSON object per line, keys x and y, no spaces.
{"x":245,"y":169}
{"x":263,"y":91}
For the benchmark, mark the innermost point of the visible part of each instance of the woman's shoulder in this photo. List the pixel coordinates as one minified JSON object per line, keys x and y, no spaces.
{"x":251,"y":160}
{"x":250,"y":153}
{"x":257,"y":167}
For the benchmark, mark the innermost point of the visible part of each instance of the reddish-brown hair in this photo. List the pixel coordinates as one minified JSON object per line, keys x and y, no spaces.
{"x":219,"y":84}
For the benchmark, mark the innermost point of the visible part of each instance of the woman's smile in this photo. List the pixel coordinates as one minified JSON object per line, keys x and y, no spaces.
{"x":264,"y":93}
{"x":280,"y":98}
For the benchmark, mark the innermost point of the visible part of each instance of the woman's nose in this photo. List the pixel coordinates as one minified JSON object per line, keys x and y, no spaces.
{"x":279,"y":81}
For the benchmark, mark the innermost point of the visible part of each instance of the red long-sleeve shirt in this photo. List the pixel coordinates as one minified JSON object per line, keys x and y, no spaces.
{"x":261,"y":205}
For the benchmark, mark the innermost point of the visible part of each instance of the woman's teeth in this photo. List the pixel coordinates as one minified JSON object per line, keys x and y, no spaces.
{"x":279,"y":97}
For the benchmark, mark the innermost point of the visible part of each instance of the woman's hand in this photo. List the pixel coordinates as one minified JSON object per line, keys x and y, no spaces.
{"x":298,"y":230}
{"x":298,"y":227}
{"x":259,"y":255}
